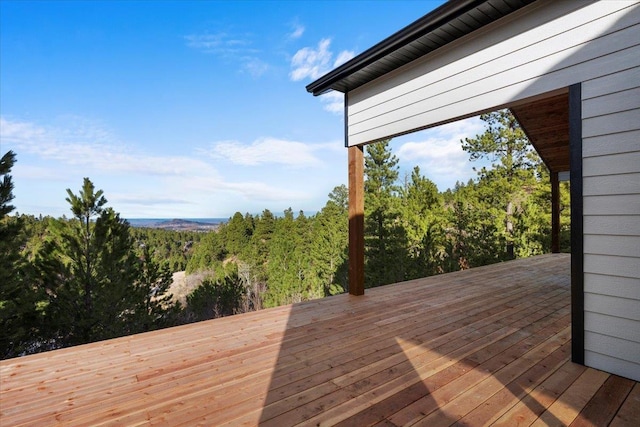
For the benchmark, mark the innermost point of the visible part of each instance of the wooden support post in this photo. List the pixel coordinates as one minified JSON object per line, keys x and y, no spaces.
{"x":356,"y":220}
{"x":555,"y":213}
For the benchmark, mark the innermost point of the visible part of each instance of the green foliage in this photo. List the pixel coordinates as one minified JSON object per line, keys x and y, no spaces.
{"x":475,"y":238}
{"x":97,"y":286}
{"x":329,"y":245}
{"x":504,"y":143}
{"x":411,"y":230}
{"x":423,"y":219}
{"x":288,"y":266}
{"x":69,"y":281}
{"x":237,"y":233}
{"x":504,"y":190}
{"x":215,"y":298}
{"x":174,"y":248}
{"x":385,"y":238}
{"x":155,"y":307}
{"x":208,"y":253}
{"x":20,"y":307}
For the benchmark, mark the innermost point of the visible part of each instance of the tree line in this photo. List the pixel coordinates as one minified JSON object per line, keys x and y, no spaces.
{"x":89,"y":277}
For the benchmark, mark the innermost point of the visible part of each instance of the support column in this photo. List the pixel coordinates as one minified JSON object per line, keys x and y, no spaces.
{"x":356,"y":220}
{"x":555,"y":213}
{"x":577,"y":224}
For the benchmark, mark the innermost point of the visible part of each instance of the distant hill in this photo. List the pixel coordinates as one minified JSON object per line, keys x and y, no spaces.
{"x":204,"y":224}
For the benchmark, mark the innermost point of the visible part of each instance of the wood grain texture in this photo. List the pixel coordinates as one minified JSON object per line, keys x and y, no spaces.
{"x":476,"y":347}
{"x":356,"y":220}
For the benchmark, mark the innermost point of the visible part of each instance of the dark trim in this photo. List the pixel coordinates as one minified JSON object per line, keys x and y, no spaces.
{"x":555,"y":212}
{"x":346,"y":120}
{"x":577,"y":227}
{"x":429,"y":22}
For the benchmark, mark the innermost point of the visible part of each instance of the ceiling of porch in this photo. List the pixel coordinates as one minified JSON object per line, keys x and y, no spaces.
{"x":546,"y":124}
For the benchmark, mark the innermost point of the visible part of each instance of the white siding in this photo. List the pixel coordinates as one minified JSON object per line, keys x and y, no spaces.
{"x":611,"y":187}
{"x":541,"y":48}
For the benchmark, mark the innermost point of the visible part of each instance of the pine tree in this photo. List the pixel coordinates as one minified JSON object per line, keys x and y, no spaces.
{"x":329,"y":244}
{"x":477,"y":227}
{"x":385,"y":240}
{"x":423,"y":219}
{"x":155,"y":307}
{"x":215,"y":298}
{"x":89,"y":269}
{"x":19,"y":308}
{"x":285,"y":266}
{"x":513,"y":171}
{"x":236,"y":234}
{"x":258,"y":249}
{"x":209,"y":254}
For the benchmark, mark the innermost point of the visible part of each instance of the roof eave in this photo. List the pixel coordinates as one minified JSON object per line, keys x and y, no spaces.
{"x":429,"y":22}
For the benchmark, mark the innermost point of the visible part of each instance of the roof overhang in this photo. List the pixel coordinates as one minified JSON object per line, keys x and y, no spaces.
{"x":449,"y":22}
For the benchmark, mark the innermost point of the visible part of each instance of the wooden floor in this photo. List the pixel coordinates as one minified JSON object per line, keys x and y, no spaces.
{"x":484,"y":346}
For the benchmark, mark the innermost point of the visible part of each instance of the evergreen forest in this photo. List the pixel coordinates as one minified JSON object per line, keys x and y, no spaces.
{"x":91,"y":276}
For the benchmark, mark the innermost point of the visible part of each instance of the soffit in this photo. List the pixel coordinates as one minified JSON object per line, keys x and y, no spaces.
{"x":449,"y":22}
{"x":546,"y":124}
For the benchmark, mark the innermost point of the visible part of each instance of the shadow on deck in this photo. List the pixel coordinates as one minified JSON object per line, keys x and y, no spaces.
{"x":489,"y":345}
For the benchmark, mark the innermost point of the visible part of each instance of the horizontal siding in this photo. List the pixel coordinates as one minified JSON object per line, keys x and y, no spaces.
{"x":612,"y":83}
{"x":610,"y":224}
{"x":600,"y":343}
{"x":626,"y":308}
{"x":621,"y":367}
{"x":618,"y":327}
{"x":611,"y":123}
{"x":627,"y":246}
{"x":611,"y":103}
{"x":625,"y":204}
{"x":610,"y":184}
{"x":543,"y":48}
{"x":612,"y":265}
{"x":623,"y":287}
{"x":622,"y":163}
{"x":620,"y":142}
{"x":611,"y":213}
{"x":503,"y":46}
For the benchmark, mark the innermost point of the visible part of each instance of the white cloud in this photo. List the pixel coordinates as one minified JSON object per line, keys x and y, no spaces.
{"x":37,"y":173}
{"x":439,"y":154}
{"x":221,"y":43}
{"x":255,"y":66}
{"x":298,"y":31}
{"x":268,"y":151}
{"x":312,"y":63}
{"x":333,"y":102}
{"x":230,"y":47}
{"x":343,"y":57}
{"x":18,"y":131}
{"x":87,"y":145}
{"x":147,"y":200}
{"x":249,"y":190}
{"x":139,"y":184}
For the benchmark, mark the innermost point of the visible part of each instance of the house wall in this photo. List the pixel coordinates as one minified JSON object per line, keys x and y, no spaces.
{"x":542,"y":49}
{"x":611,"y":209}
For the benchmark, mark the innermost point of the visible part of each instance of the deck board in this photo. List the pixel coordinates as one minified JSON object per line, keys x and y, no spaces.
{"x":487,"y":346}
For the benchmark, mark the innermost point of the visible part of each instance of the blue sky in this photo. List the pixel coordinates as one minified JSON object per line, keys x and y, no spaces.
{"x":193,"y":109}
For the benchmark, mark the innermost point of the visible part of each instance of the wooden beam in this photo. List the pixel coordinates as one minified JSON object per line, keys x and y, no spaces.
{"x":555,"y":213}
{"x":356,"y":220}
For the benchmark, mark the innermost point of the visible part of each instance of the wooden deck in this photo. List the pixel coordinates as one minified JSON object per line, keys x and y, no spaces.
{"x":484,"y":346}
